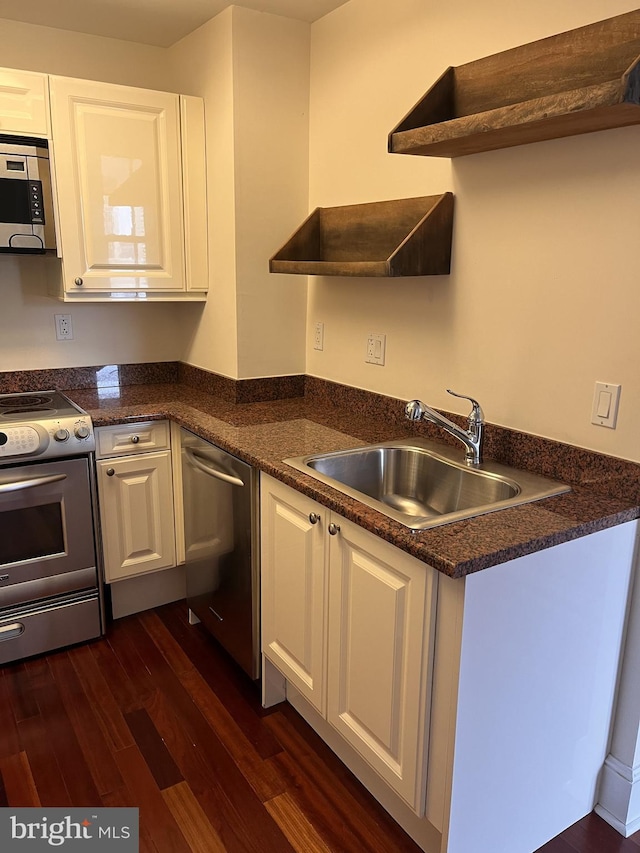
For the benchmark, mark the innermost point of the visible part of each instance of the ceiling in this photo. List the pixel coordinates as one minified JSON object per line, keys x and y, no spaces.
{"x":157,"y":22}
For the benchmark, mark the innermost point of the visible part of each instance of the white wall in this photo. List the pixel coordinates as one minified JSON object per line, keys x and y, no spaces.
{"x":544,"y":295}
{"x":202,"y":64}
{"x":102,"y":334}
{"x":252,"y":69}
{"x":271,"y":97}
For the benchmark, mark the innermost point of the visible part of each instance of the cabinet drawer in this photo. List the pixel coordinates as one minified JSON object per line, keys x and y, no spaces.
{"x":126,"y":439}
{"x":38,"y":629}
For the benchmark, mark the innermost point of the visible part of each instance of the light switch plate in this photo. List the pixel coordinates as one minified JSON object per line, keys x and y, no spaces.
{"x":606,"y":399}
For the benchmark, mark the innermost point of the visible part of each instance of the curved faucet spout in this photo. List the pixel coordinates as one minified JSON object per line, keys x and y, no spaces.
{"x":416,"y":410}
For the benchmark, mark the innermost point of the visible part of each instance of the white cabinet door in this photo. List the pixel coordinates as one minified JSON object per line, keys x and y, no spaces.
{"x":24,"y":103}
{"x":136,"y":514}
{"x":381,"y":609}
{"x":293,"y":532}
{"x":119,"y":188}
{"x":367,"y":606}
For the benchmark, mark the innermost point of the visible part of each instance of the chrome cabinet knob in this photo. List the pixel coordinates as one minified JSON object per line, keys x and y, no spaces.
{"x":110,"y":472}
{"x":334,"y":529}
{"x":78,"y":282}
{"x":135,"y":439}
{"x":314,"y":518}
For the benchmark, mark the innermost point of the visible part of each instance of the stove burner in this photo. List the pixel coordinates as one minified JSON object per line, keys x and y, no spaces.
{"x":24,"y":403}
{"x":27,"y":410}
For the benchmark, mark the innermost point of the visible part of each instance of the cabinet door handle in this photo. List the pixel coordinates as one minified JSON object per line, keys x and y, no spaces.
{"x":78,"y":282}
{"x":135,"y":439}
{"x":314,"y":518}
{"x":334,"y":529}
{"x":110,"y":472}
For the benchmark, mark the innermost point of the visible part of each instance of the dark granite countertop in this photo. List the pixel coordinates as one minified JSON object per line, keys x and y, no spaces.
{"x":605,"y":492}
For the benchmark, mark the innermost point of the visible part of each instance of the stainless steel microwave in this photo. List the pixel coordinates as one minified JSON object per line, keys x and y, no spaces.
{"x":26,"y":198}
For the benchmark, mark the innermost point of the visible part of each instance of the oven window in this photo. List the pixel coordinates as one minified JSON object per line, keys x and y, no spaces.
{"x":31,"y":533}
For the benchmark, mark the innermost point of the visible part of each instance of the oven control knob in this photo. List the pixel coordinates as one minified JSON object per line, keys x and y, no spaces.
{"x":61,"y":435}
{"x":82,"y":431}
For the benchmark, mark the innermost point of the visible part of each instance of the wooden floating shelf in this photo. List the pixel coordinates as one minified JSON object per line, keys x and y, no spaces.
{"x":577,"y":82}
{"x":403,"y":237}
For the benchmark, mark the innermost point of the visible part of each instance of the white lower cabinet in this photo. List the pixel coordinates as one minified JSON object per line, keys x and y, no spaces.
{"x":294,"y":587}
{"x":480,"y":717}
{"x":348,"y":619}
{"x":135,"y":491}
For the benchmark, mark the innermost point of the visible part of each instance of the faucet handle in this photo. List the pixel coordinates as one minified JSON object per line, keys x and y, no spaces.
{"x":414,"y":410}
{"x":477,"y":415}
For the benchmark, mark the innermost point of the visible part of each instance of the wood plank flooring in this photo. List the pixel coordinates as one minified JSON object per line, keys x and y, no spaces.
{"x":157,"y":716}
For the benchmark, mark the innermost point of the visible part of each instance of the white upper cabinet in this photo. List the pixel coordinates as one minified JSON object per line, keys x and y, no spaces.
{"x":24,"y":103}
{"x":120,"y":154}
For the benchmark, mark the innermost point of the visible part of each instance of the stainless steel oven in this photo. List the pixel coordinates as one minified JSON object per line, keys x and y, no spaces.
{"x":50,"y":590}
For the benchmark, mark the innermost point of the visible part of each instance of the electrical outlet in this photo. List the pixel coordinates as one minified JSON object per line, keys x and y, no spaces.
{"x":64,"y":327}
{"x":318,"y":339}
{"x":376,"y":345}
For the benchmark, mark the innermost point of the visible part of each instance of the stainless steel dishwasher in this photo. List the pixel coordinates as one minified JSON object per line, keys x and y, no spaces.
{"x":220,"y":496}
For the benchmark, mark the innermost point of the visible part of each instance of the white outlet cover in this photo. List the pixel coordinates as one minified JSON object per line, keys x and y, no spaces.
{"x":376,"y":346}
{"x":318,"y":337}
{"x":64,"y":327}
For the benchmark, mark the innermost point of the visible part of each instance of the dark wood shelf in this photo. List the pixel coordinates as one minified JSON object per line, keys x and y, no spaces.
{"x":402,"y":237}
{"x":580,"y":81}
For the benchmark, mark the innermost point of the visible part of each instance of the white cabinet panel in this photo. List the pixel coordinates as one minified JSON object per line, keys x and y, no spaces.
{"x":136,"y":514}
{"x":294,"y":589}
{"x":194,"y":170}
{"x":24,"y":103}
{"x":380,"y":653}
{"x":372,"y":625}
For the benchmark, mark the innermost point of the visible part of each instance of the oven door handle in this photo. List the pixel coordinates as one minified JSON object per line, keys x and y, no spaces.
{"x":11,"y":631}
{"x":199,"y":462}
{"x":30,"y":483}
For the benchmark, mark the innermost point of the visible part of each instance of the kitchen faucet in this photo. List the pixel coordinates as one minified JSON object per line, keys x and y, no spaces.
{"x":471,"y":438}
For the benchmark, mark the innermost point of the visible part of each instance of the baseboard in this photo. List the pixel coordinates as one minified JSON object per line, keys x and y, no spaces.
{"x":619,"y":796}
{"x":143,"y":592}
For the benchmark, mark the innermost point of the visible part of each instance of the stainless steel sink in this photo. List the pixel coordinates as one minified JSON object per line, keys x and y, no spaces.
{"x":422,"y":484}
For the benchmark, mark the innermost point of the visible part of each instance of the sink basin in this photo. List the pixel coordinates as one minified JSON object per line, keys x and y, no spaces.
{"x":421,"y":483}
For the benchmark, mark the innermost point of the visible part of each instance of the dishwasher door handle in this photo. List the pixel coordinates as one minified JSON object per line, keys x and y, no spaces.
{"x":202,"y":463}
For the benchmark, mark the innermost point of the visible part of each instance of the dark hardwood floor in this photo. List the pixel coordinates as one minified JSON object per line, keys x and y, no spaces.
{"x":156,"y":716}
